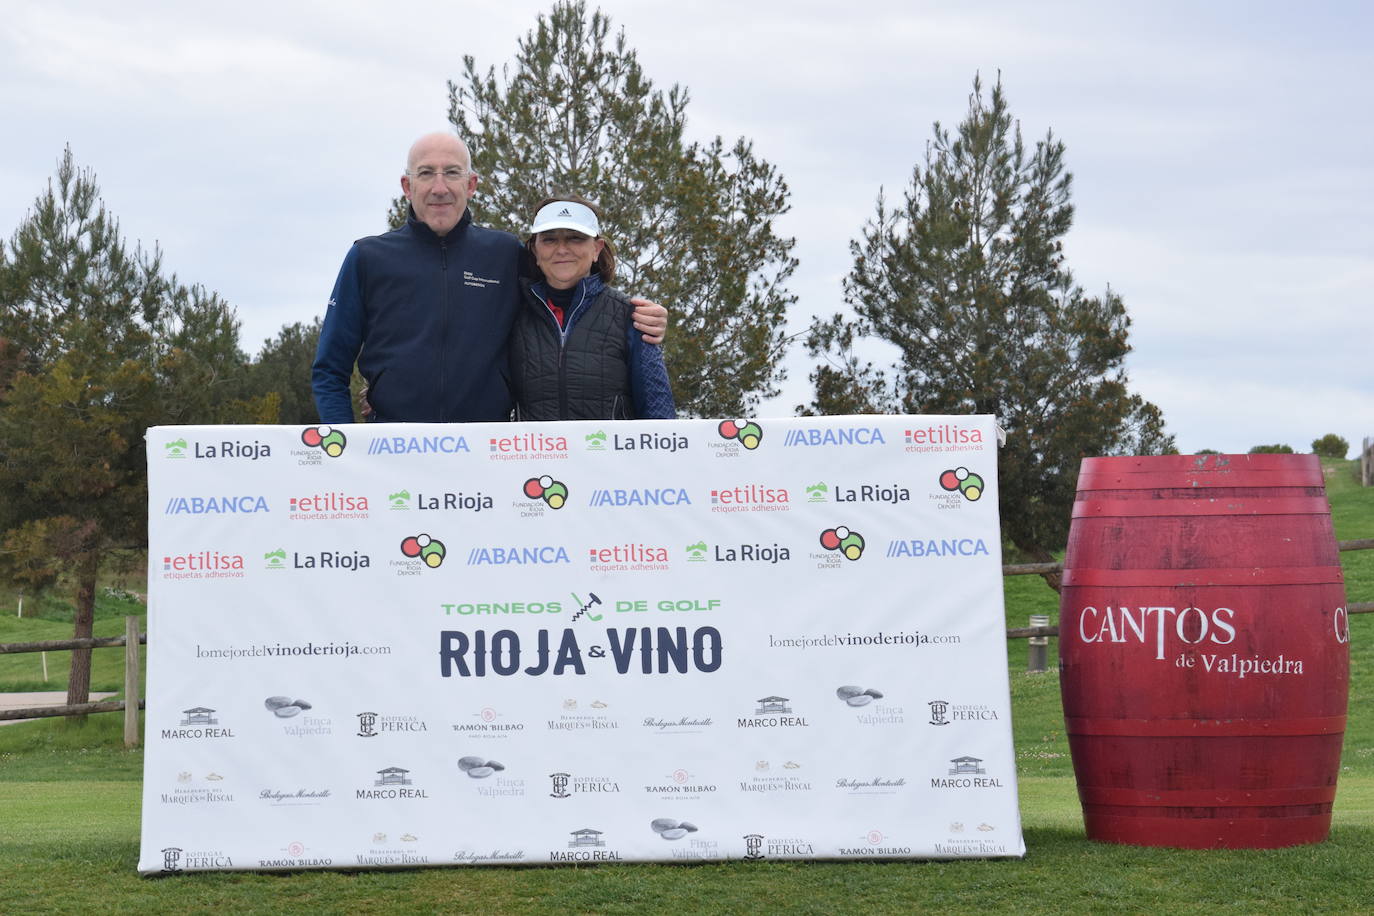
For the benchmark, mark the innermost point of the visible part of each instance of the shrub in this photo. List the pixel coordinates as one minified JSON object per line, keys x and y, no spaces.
{"x":1330,"y":446}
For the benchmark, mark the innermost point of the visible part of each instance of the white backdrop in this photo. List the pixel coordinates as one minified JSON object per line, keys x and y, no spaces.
{"x":396,"y":645}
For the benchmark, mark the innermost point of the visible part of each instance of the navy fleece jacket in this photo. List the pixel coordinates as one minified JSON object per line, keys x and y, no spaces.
{"x":427,"y":319}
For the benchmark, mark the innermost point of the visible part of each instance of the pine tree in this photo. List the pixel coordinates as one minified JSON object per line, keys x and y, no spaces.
{"x":692,"y":223}
{"x":282,"y":368}
{"x":96,"y":345}
{"x":966,"y":279}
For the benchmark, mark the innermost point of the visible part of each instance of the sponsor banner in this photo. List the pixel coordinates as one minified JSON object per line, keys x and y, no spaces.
{"x":393,"y":645}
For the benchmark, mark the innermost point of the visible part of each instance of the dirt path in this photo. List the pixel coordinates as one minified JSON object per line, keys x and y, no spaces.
{"x":44,"y":698}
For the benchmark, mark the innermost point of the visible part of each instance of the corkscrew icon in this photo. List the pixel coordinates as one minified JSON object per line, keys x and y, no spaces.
{"x":587,"y":607}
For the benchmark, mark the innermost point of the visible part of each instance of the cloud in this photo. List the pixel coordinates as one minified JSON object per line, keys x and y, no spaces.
{"x":1221,"y":164}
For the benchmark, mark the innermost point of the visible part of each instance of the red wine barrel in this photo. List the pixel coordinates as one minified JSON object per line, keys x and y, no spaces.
{"x":1204,"y":650}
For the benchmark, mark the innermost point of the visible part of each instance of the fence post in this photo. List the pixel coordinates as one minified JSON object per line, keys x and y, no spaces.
{"x":1038,"y":645}
{"x":131,"y":682}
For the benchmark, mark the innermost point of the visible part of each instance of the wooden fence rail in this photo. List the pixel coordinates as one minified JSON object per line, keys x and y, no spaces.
{"x":55,"y":645}
{"x":131,"y":703}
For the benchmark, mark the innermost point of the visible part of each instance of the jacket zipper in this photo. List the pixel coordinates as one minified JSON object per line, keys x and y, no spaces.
{"x":563,"y":407}
{"x":443,"y":332}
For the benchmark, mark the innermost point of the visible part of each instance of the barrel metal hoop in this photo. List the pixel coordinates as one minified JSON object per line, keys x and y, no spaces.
{"x":1207,"y":798}
{"x":1191,"y":578}
{"x":1166,"y":480}
{"x":1181,"y":465}
{"x":1204,"y":728}
{"x":1234,"y":506}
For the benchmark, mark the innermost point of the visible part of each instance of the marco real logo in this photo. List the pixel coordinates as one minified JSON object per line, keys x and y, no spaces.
{"x":966,"y":773}
{"x":772,"y":712}
{"x":199,"y":723}
{"x":587,"y":845}
{"x":391,"y":782}
{"x":325,"y":438}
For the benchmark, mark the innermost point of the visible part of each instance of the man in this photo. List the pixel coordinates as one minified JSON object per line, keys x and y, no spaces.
{"x":430,"y":306}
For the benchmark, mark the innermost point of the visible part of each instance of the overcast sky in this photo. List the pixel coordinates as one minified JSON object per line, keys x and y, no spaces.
{"x":1223,"y":153}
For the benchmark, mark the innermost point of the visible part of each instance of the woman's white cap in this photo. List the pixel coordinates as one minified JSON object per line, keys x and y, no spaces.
{"x":565,"y":214}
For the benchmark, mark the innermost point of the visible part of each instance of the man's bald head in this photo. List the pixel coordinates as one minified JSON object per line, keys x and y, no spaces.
{"x":439,"y":180}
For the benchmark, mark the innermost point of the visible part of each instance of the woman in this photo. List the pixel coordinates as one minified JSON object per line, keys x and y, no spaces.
{"x":575,"y":352}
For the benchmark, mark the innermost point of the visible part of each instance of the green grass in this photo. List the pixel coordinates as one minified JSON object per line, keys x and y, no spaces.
{"x":48,"y":616}
{"x":69,"y":823}
{"x":1352,"y":514}
{"x":76,"y":843}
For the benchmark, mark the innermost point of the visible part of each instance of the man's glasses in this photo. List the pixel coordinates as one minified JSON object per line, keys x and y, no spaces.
{"x":425,"y":175}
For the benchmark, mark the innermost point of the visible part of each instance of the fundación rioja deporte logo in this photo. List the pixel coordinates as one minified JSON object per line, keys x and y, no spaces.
{"x":425,"y":548}
{"x":849,"y":543}
{"x":325,"y":438}
{"x":747,"y":432}
{"x":553,"y":492}
{"x":963,"y":481}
